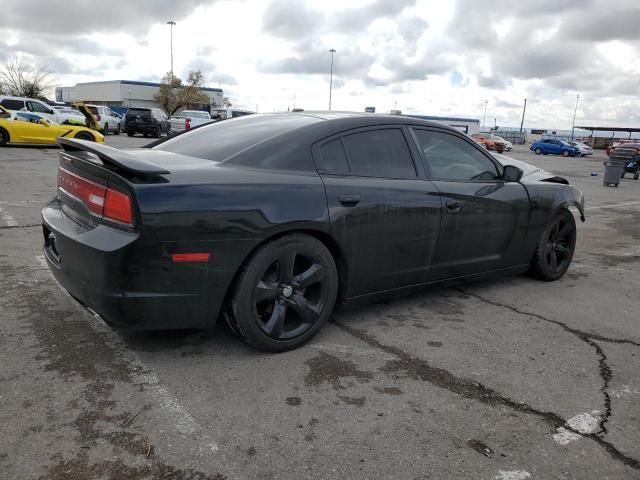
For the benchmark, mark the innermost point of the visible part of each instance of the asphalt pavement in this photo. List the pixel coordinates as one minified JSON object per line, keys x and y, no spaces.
{"x":501,"y":380}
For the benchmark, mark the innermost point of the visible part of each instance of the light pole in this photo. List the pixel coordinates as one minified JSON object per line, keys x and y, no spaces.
{"x":484,"y":116}
{"x":171,"y":23}
{"x":333,"y":50}
{"x":573,"y":124}
{"x":523,"y":110}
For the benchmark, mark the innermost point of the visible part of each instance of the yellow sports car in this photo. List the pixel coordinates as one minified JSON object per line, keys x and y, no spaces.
{"x":29,"y":128}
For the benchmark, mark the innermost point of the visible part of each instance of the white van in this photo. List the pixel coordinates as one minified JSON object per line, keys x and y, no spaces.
{"x":16,"y":104}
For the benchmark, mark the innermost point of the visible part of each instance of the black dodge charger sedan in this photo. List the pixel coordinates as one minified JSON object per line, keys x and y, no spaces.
{"x":270,"y":220}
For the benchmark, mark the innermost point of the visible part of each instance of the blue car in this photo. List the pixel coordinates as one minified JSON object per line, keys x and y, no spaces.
{"x":554,"y":147}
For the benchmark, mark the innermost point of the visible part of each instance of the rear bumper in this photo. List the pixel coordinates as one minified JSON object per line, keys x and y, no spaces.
{"x":128,"y":277}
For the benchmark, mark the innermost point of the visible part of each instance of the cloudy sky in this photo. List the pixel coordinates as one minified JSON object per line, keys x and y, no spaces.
{"x":424,"y":56}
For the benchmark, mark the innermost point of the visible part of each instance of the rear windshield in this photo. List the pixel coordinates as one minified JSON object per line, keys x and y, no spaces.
{"x":219,"y":140}
{"x":194,"y":113}
{"x":139,"y":111}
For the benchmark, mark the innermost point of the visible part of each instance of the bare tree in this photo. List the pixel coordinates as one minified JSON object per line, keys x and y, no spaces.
{"x":167,"y":95}
{"x":191,"y":94}
{"x":22,"y":80}
{"x":173,"y":94}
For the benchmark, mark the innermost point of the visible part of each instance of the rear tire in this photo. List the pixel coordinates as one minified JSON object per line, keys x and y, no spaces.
{"x":4,"y":137}
{"x":105,"y":129}
{"x":157,"y":132}
{"x":130,"y":133}
{"x":284,"y":294}
{"x":85,"y":136}
{"x":555,"y":248}
{"x":538,"y":151}
{"x":636,"y":175}
{"x":118,"y":130}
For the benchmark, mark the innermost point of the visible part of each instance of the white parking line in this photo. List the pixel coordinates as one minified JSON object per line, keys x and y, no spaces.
{"x":183,"y":421}
{"x":9,"y":220}
{"x":612,"y":205}
{"x":583,"y":423}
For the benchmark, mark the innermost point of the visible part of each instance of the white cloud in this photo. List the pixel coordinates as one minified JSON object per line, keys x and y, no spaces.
{"x":424,"y":56}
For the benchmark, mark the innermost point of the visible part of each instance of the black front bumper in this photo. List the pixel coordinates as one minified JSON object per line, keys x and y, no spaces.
{"x":127,"y":277}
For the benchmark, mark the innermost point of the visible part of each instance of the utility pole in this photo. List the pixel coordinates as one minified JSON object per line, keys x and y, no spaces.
{"x":573,"y":124}
{"x":484,"y":116}
{"x":333,"y":50}
{"x":171,"y":23}
{"x":523,"y":110}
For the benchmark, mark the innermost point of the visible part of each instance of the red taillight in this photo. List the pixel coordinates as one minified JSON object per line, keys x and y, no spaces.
{"x":187,"y":123}
{"x":101,"y":200}
{"x":190,"y":257}
{"x":117,"y":206}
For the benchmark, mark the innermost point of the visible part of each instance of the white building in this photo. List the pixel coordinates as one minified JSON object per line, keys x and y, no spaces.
{"x":466,"y":125}
{"x":123,"y":93}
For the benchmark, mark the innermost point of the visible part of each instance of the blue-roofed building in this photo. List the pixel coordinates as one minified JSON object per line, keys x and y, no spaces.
{"x":123,"y":93}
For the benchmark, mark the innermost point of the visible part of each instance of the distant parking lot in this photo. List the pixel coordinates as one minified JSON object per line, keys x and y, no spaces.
{"x":509,"y":379}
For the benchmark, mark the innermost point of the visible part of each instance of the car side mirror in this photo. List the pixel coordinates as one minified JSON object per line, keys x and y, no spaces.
{"x":512,"y":173}
{"x":44,"y":121}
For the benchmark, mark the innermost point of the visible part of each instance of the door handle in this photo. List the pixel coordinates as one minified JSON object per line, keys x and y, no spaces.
{"x":349,"y":200}
{"x":453,"y":206}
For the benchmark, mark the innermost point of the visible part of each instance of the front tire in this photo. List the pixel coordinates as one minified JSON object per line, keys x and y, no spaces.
{"x":565,"y":153}
{"x":118,"y":130}
{"x":105,"y":129}
{"x":130,"y":133}
{"x":285,"y":293}
{"x":4,"y":137}
{"x":555,"y":248}
{"x":85,"y":136}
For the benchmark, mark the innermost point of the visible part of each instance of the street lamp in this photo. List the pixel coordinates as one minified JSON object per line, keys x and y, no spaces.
{"x":171,"y":23}
{"x":523,"y":110}
{"x":573,"y":124}
{"x":484,"y":116}
{"x":331,"y":76}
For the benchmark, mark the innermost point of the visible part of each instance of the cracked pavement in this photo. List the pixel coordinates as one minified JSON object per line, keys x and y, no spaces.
{"x":506,"y":379}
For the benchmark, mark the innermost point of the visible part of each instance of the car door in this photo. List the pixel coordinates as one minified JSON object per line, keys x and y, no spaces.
{"x":384,"y":214}
{"x":484,"y":218}
{"x":28,"y":129}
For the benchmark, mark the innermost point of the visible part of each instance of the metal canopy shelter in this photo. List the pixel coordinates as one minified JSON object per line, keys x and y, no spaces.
{"x":613,"y":130}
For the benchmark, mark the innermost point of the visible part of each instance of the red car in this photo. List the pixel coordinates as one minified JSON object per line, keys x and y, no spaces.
{"x":615,"y":143}
{"x":489,"y":141}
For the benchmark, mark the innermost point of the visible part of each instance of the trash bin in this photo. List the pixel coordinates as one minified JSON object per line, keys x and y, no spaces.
{"x":612,"y":173}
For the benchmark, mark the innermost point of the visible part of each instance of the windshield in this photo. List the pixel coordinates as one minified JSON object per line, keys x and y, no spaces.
{"x":219,"y":140}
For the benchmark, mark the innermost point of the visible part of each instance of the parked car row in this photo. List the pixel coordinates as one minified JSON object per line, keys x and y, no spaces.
{"x":34,"y":128}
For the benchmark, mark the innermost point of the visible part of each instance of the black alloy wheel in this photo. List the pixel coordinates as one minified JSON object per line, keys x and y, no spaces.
{"x":285,"y":293}
{"x":555,"y":249}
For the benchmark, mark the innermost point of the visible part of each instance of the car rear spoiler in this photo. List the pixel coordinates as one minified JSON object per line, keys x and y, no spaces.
{"x":112,"y":156}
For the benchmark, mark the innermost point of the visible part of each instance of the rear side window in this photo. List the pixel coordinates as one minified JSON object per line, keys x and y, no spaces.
{"x":12,"y":104}
{"x":332,"y":157}
{"x":379,"y":153}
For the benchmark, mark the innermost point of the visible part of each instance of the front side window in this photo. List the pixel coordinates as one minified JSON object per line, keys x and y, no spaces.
{"x":379,"y":153}
{"x":39,"y":108}
{"x":449,"y":157}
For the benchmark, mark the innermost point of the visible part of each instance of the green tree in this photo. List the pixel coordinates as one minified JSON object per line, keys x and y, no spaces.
{"x":23,"y":80}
